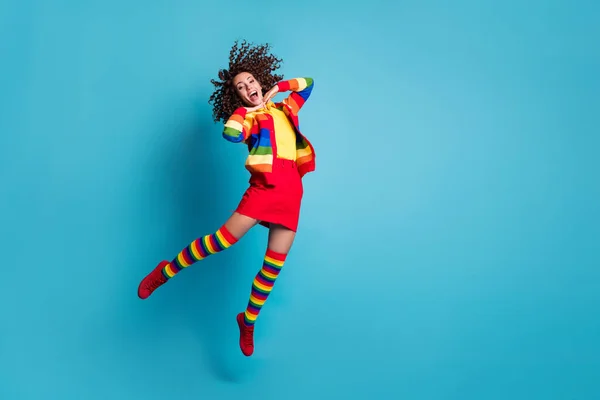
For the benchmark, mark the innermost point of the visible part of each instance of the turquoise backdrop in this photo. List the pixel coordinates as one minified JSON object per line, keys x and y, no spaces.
{"x":448,"y":246}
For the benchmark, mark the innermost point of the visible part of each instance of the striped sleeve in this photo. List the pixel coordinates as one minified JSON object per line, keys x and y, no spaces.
{"x":301,"y":89}
{"x":238,"y":126}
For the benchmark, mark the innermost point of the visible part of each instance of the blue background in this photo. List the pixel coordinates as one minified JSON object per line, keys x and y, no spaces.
{"x":448,"y":247}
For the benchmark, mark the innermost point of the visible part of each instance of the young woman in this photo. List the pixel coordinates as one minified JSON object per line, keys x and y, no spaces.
{"x":279,"y":156}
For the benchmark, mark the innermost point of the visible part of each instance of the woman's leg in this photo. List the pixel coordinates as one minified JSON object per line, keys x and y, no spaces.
{"x":280,"y":243}
{"x":239,"y":224}
{"x":226,"y":236}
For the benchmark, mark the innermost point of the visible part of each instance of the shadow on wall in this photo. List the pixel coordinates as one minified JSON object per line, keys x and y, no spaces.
{"x":199,"y":301}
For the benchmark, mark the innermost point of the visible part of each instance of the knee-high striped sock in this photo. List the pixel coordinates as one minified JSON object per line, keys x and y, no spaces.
{"x":263,"y":284}
{"x":199,"y":249}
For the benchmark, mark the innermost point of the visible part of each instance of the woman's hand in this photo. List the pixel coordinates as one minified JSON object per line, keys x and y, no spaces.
{"x":270,"y":94}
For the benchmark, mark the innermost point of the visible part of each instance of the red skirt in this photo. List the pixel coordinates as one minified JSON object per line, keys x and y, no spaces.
{"x":276,"y":202}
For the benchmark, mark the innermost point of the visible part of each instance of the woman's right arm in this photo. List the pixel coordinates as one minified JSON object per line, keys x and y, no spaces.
{"x":238,"y":126}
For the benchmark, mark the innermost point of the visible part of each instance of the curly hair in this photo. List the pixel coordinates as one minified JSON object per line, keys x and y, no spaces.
{"x":244,"y":57}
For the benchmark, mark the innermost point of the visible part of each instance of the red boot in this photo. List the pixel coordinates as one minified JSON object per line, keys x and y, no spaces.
{"x":246,"y":336}
{"x":152,"y":281}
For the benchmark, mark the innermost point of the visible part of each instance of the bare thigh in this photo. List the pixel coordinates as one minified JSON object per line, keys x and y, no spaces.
{"x":238,"y":225}
{"x":280,"y":239}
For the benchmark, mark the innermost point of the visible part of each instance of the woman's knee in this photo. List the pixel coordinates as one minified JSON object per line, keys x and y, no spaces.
{"x":280,"y":239}
{"x":238,"y":224}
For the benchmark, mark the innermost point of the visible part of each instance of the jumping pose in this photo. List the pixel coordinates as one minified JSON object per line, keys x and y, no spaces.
{"x":279,"y":156}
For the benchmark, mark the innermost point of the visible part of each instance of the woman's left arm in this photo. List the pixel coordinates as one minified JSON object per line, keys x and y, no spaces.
{"x":301,"y":89}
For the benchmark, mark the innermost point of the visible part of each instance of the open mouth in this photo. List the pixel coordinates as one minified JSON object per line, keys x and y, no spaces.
{"x":253,"y":95}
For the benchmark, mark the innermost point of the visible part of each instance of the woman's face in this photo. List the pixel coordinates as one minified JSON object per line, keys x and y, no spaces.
{"x":248,"y":89}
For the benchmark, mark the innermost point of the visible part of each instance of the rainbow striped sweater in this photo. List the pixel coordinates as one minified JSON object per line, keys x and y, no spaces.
{"x":256,"y":129}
